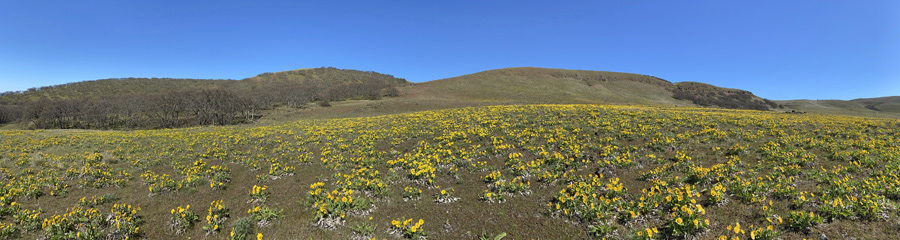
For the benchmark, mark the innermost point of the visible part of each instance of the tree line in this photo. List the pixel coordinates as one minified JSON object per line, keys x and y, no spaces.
{"x":730,"y":100}
{"x":215,"y":105}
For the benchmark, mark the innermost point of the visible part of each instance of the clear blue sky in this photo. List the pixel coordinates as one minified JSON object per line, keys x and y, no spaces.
{"x":777,"y":49}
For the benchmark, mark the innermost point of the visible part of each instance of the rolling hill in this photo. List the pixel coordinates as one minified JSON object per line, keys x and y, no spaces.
{"x":882,"y":104}
{"x":530,"y":85}
{"x":365,"y":89}
{"x":870,"y":107}
{"x":543,"y":85}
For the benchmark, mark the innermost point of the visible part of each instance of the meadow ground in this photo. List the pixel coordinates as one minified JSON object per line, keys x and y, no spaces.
{"x":530,"y":171}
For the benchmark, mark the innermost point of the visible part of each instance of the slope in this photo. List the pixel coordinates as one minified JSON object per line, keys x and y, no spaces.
{"x":112,"y":87}
{"x":542,"y":85}
{"x":869,"y":107}
{"x":161,"y":103}
{"x":885,"y":104}
{"x":708,"y":95}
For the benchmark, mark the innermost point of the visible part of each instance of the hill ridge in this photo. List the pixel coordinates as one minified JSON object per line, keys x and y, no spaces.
{"x":586,"y":86}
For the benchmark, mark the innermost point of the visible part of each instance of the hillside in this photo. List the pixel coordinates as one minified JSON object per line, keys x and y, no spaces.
{"x":113,"y":87}
{"x":708,"y":95}
{"x":107,"y":103}
{"x":870,"y":107}
{"x":882,"y":104}
{"x":137,"y":103}
{"x":543,"y":85}
{"x":509,"y":85}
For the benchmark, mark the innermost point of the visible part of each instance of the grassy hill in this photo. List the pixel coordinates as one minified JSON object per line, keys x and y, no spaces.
{"x":543,"y":85}
{"x":509,"y":85}
{"x":870,"y":107}
{"x":298,"y":89}
{"x":882,"y":104}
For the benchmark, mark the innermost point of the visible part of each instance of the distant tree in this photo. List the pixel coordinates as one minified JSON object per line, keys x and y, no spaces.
{"x":10,"y":113}
{"x":392,"y":92}
{"x":140,"y":103}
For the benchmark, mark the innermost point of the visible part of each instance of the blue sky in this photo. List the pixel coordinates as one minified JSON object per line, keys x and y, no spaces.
{"x":776,"y":49}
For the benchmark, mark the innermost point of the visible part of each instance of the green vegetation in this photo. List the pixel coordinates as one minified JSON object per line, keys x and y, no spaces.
{"x":708,"y":95}
{"x":563,"y":171}
{"x":291,"y":95}
{"x":540,"y":85}
{"x":883,"y":104}
{"x":166,"y":103}
{"x":524,"y":171}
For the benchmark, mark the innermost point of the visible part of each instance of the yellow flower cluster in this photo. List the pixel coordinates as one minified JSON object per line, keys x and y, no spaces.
{"x":215,"y":217}
{"x":492,"y":177}
{"x":182,"y":218}
{"x":334,"y":203}
{"x":77,"y":221}
{"x":407,"y":228}
{"x":258,"y":194}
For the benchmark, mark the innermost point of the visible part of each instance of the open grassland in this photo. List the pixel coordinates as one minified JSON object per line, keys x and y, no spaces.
{"x":532,"y":171}
{"x":886,"y":109}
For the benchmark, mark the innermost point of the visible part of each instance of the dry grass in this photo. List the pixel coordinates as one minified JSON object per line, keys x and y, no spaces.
{"x":841,"y":107}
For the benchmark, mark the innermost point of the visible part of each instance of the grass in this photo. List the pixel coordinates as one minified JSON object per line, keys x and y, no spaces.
{"x":540,"y":85}
{"x":841,"y":107}
{"x":564,"y":171}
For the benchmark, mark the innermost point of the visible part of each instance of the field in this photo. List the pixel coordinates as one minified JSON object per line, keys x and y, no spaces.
{"x":526,"y":171}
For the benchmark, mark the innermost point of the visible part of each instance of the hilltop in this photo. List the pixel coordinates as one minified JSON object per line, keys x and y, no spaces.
{"x":322,"y":76}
